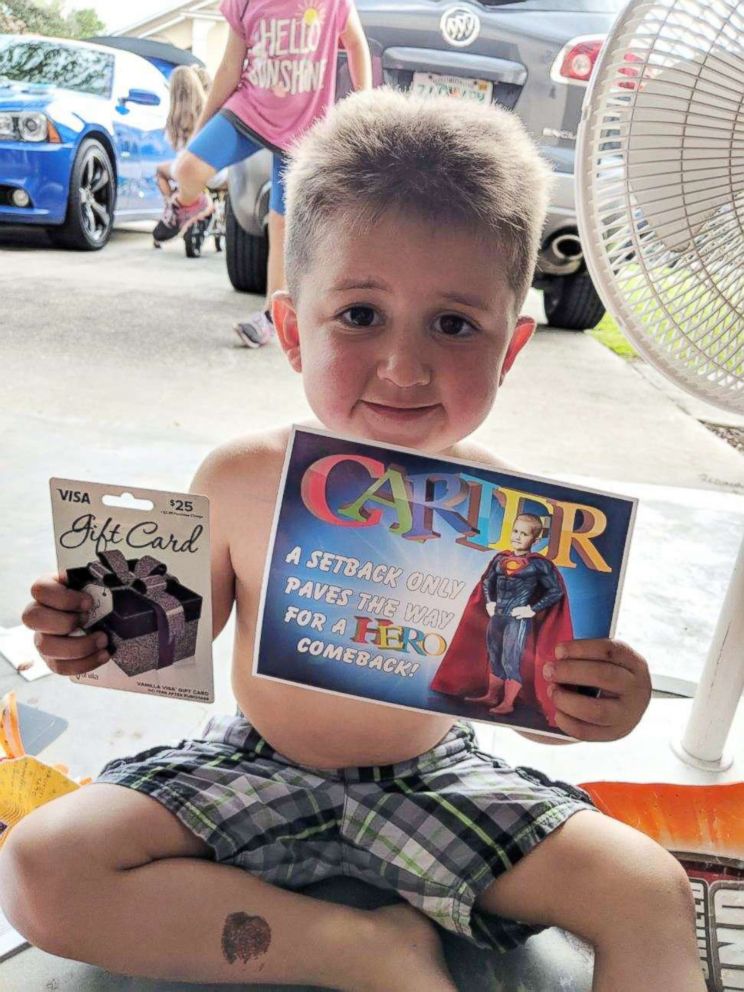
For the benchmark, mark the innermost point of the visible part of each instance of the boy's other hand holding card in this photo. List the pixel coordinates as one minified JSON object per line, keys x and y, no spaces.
{"x":619,"y":675}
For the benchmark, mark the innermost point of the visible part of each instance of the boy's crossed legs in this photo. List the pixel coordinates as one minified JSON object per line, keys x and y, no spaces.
{"x":109,"y":876}
{"x":621,"y":892}
{"x":116,"y":880}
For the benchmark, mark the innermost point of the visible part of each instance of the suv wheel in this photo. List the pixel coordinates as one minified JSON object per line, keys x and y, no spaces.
{"x":572,"y":302}
{"x":90,"y":202}
{"x":246,"y":255}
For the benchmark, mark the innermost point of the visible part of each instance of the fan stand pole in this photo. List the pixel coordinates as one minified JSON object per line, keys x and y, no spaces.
{"x":721,"y":685}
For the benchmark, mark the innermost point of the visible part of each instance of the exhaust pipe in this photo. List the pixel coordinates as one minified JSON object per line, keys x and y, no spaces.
{"x":562,"y":256}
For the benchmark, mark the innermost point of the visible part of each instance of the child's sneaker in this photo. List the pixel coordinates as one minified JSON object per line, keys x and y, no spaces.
{"x":177,"y":217}
{"x":256,"y":331}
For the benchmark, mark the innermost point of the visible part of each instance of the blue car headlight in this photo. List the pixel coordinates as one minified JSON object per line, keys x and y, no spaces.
{"x":27,"y":125}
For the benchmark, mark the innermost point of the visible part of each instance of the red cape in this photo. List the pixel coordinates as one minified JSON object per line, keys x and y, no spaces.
{"x":464,"y":668}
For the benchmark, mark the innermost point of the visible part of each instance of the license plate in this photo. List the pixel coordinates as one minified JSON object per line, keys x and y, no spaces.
{"x":428,"y":83}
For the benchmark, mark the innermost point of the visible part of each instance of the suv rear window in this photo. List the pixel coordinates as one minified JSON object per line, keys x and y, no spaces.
{"x":70,"y":67}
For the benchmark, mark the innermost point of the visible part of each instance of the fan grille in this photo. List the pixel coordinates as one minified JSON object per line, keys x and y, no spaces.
{"x":660,"y":179}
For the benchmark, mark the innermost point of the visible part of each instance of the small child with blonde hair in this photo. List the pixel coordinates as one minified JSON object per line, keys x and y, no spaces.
{"x":412,"y":236}
{"x":203,"y":75}
{"x":187,"y":97}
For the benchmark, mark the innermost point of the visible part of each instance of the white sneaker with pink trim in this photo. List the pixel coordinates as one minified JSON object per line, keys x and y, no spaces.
{"x":257,"y":331}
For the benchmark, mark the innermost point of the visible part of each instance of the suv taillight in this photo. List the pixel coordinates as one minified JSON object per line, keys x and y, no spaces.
{"x":576,"y":60}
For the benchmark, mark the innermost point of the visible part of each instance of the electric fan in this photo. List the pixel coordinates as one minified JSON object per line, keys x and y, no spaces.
{"x":660,"y":202}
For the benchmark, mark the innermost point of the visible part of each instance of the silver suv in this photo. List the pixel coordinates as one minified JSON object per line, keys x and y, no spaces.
{"x":531,"y":56}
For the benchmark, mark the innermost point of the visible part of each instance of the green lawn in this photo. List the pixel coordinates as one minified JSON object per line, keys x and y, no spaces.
{"x":609,"y":334}
{"x":679,"y":298}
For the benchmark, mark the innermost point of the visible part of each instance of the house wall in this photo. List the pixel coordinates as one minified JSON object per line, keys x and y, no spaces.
{"x":217,"y":41}
{"x":179,"y":35}
{"x":205,"y":38}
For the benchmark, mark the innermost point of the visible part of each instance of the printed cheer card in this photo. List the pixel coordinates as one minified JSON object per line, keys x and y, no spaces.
{"x":433,"y":584}
{"x":143,"y":556}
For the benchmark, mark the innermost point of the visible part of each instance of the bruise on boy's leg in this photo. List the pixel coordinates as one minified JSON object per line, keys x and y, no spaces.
{"x":245,"y":937}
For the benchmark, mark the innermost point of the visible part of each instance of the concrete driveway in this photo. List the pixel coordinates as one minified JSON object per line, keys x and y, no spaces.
{"x":121,"y":366}
{"x":135,"y":340}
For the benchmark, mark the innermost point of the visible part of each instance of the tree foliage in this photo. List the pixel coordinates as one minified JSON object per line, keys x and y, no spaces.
{"x":48,"y":18}
{"x":85,"y":23}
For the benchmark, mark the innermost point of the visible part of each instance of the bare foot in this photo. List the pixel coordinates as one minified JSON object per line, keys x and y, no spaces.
{"x":489,"y":699}
{"x":501,"y":709}
{"x":492,"y":695}
{"x":405,"y":954}
{"x":512,"y":689}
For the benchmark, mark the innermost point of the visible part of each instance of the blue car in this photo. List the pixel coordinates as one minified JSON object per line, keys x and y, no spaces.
{"x":81,"y":132}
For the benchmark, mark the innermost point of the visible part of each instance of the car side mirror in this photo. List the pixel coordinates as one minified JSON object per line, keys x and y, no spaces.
{"x":146,"y":97}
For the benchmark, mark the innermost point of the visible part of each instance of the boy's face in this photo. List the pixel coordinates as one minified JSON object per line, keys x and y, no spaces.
{"x":402,"y":335}
{"x":523,"y":535}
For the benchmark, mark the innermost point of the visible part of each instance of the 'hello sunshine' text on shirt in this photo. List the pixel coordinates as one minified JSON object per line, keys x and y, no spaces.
{"x":284,"y":56}
{"x":289,"y":76}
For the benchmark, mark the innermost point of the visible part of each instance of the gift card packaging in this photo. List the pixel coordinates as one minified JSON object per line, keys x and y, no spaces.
{"x":143,"y":556}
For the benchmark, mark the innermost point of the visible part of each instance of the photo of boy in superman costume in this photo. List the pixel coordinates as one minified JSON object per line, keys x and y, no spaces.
{"x":515,"y":617}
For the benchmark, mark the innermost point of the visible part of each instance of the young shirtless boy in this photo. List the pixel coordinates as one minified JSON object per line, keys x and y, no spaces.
{"x":413,"y":228}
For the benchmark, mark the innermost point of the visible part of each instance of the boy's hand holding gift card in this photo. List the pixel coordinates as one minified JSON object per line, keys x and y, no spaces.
{"x":429,"y":583}
{"x":137,"y":590}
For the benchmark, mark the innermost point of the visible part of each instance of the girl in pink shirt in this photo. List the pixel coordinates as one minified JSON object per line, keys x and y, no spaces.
{"x":277,"y":76}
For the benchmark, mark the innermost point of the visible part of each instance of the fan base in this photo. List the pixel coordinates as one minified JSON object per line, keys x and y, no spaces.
{"x":721,"y":765}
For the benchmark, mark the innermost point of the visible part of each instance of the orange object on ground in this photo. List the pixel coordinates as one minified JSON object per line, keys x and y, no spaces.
{"x":705,"y":819}
{"x":25,"y":782}
{"x":703,"y":827}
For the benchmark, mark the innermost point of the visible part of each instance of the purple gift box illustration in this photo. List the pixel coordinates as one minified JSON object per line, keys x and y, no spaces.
{"x":151,"y":620}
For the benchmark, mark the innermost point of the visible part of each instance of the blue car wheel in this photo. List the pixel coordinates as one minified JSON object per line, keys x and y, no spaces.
{"x":91,"y":199}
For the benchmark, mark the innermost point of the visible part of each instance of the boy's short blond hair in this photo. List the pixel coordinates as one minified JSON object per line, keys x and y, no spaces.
{"x":537,"y":524}
{"x":441,"y":159}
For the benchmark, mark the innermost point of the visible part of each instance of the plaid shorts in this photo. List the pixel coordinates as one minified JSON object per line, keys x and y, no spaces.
{"x":437,"y":829}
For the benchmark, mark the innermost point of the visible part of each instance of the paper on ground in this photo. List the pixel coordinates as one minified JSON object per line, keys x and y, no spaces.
{"x":17,"y":647}
{"x":10,"y":939}
{"x":25,"y":784}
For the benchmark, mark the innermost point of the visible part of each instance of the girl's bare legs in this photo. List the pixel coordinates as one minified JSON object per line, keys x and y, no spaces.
{"x":109,"y":876}
{"x":163,"y":175}
{"x":192,"y":174}
{"x":275,"y":267}
{"x":257,"y":330}
{"x":617,"y":889}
